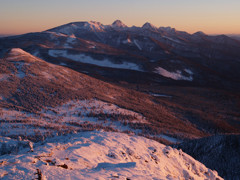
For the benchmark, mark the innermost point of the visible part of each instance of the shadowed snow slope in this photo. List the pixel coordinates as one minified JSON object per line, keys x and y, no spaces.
{"x":102,"y":155}
{"x":223,"y":149}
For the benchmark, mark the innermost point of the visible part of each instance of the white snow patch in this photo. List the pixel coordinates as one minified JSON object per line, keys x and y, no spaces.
{"x":173,"y":75}
{"x":56,"y":34}
{"x":136,"y":43}
{"x":170,"y":139}
{"x":103,"y":155}
{"x":63,"y":64}
{"x":188,"y":71}
{"x":174,"y":40}
{"x":160,"y":95}
{"x":94,"y":26}
{"x":89,"y":60}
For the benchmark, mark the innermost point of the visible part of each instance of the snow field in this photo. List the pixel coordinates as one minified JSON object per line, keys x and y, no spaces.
{"x":89,"y":60}
{"x":175,"y":75}
{"x":103,"y":155}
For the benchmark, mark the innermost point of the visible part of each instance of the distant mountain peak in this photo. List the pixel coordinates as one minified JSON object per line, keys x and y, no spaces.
{"x":94,"y":23}
{"x":168,"y":29}
{"x":199,"y":33}
{"x":150,"y":26}
{"x":118,"y":24}
{"x":94,"y":26}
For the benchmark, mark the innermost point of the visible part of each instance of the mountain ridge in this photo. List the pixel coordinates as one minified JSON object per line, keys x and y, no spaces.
{"x":163,"y":84}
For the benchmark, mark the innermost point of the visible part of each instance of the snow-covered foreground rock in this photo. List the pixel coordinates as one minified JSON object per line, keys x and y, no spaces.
{"x":102,"y":155}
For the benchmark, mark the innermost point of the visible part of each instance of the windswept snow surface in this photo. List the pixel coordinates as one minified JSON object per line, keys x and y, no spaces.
{"x":175,"y":75}
{"x":88,"y":110}
{"x":102,"y":155}
{"x":89,"y":60}
{"x":72,"y":116}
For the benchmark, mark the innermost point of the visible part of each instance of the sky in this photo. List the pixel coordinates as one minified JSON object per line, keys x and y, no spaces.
{"x":209,"y":16}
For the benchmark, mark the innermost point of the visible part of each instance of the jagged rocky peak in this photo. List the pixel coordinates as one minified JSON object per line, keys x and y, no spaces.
{"x":119,"y":24}
{"x":150,"y":26}
{"x":168,"y":29}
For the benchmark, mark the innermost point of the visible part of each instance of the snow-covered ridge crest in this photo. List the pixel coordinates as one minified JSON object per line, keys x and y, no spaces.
{"x":103,"y":155}
{"x":17,"y":54}
{"x":99,"y":27}
{"x":94,"y":26}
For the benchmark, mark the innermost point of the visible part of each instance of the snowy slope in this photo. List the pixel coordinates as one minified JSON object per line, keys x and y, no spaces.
{"x":174,"y":75}
{"x":102,"y":155}
{"x":71,"y":116}
{"x":89,"y":60}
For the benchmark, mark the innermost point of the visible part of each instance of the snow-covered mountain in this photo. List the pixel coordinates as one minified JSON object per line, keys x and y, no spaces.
{"x":41,"y":101}
{"x":147,"y":47}
{"x":150,"y":81}
{"x":140,"y":56}
{"x":118,"y":24}
{"x":149,"y":26}
{"x":150,"y":61}
{"x":102,"y":155}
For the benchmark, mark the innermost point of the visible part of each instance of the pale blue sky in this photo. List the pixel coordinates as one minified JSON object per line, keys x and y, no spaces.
{"x":210,"y":16}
